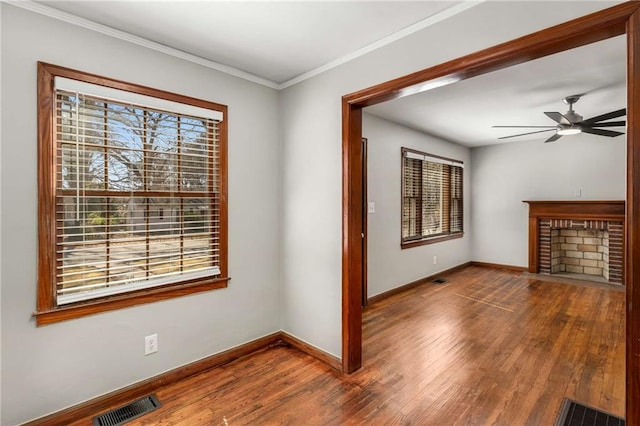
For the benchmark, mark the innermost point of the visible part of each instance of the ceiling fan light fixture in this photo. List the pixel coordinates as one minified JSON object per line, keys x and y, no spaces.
{"x":569,"y":130}
{"x":572,"y":123}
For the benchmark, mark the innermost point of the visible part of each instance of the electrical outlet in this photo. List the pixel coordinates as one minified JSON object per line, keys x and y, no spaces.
{"x":435,"y":260}
{"x":151,"y":344}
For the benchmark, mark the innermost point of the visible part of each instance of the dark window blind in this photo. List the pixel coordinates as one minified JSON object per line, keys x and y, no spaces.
{"x":431,"y":196}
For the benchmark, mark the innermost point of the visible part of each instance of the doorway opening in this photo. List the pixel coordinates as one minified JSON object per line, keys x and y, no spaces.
{"x":615,"y":21}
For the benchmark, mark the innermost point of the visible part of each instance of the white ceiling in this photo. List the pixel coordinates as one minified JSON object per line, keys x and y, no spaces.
{"x":276,"y":40}
{"x":464,"y":112}
{"x":277,"y":43}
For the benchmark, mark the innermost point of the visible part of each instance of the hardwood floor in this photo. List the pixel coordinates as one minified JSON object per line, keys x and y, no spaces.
{"x":488,"y":347}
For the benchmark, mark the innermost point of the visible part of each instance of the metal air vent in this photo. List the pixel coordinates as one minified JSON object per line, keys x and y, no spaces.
{"x":128,"y":412}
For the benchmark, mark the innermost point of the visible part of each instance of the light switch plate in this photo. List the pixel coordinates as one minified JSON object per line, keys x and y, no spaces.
{"x":371,"y":207}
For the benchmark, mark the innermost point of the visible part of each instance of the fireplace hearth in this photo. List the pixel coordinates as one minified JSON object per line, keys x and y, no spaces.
{"x":577,"y":237}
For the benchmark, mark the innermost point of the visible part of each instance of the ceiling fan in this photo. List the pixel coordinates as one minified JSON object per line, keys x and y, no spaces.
{"x":571,"y":123}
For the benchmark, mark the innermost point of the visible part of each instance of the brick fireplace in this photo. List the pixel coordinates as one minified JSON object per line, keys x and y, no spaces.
{"x":577,"y":237}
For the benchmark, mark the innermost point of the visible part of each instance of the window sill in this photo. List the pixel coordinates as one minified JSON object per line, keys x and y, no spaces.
{"x":140,"y":297}
{"x":430,"y":240}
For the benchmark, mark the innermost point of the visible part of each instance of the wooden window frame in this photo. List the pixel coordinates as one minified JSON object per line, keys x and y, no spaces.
{"x":47,"y":310}
{"x":406,"y":242}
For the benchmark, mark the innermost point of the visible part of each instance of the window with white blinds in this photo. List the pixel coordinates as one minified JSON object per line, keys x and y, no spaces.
{"x":137,"y":192}
{"x":431,"y":197}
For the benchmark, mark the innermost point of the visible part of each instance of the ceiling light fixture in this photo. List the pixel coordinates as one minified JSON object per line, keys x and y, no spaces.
{"x":569,"y":130}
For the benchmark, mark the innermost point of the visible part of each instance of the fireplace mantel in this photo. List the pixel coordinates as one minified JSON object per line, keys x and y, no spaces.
{"x":545,"y":210}
{"x":596,"y":210}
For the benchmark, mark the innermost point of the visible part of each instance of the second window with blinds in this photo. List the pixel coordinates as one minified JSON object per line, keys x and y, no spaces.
{"x":431,"y":198}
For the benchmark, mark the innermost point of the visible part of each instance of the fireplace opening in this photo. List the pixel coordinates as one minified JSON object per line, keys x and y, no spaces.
{"x":584,"y":238}
{"x":584,"y":252}
{"x":588,"y":249}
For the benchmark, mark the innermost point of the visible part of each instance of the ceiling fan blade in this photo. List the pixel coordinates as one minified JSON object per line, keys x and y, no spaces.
{"x":558,"y":118}
{"x":599,"y":132}
{"x":605,"y":124}
{"x":523,"y":127}
{"x":607,"y":116}
{"x":553,"y":138}
{"x":530,"y":133}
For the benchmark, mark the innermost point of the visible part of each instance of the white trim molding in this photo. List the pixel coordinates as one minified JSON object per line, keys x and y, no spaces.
{"x":140,"y":41}
{"x":405,"y":32}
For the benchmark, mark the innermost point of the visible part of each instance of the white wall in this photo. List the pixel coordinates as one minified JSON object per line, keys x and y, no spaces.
{"x":505,"y":175}
{"x":388,"y":265}
{"x":312,"y":162}
{"x":48,"y":368}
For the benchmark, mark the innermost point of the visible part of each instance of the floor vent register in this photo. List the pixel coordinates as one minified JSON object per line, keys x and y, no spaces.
{"x":575,"y":414}
{"x":133,"y":410}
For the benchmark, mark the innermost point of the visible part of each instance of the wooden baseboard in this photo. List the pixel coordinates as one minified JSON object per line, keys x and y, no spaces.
{"x":97,"y":405}
{"x":405,"y":287}
{"x":499,"y":266}
{"x":137,"y":390}
{"x":318,"y":354}
{"x":121,"y":396}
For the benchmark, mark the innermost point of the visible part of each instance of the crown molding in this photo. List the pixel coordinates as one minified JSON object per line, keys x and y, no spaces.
{"x":140,"y":41}
{"x":407,"y":31}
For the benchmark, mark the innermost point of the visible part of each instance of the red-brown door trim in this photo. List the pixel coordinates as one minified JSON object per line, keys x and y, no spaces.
{"x":632,"y":225}
{"x":611,"y":22}
{"x":365,"y":212}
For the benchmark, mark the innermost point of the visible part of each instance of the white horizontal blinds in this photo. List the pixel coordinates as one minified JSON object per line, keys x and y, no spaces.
{"x":136,"y":196}
{"x":432,"y":196}
{"x":131,"y":98}
{"x":433,"y":159}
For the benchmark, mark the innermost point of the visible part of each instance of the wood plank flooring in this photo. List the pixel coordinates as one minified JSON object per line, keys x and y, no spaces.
{"x":487,"y":348}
